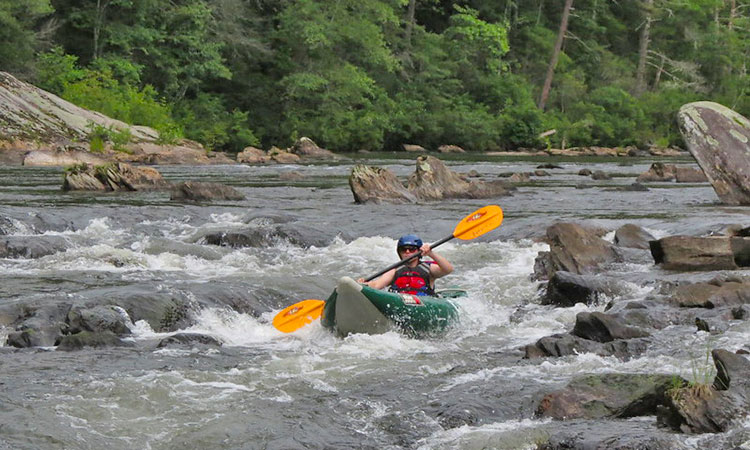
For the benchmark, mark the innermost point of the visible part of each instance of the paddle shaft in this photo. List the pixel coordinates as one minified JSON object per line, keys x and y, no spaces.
{"x":406,"y":260}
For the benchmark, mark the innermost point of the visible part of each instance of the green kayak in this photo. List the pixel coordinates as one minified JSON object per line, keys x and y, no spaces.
{"x":356,"y":308}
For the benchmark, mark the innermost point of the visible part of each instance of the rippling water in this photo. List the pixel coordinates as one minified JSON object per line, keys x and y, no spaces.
{"x":309,"y":389}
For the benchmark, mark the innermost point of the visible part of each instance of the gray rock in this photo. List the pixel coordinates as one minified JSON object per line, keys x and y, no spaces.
{"x":98,"y":319}
{"x":433,"y":180}
{"x":306,"y":148}
{"x":566,"y":289}
{"x":711,"y":408}
{"x":574,"y":249}
{"x":41,"y":326}
{"x":608,"y":395}
{"x":601,"y":327}
{"x":632,"y":236}
{"x":85,"y":339}
{"x":658,"y":172}
{"x":31,"y":246}
{"x":375,"y":185}
{"x":202,"y":191}
{"x":688,"y":253}
{"x":189,"y":339}
{"x":112,"y":177}
{"x":718,"y":137}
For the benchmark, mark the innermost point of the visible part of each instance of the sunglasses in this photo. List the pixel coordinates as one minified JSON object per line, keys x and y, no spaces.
{"x":409,"y":248}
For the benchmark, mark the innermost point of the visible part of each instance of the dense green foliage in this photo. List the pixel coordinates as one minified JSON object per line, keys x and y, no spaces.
{"x":374,"y":74}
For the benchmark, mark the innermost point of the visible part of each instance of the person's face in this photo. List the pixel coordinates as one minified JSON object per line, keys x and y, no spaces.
{"x":408,"y":250}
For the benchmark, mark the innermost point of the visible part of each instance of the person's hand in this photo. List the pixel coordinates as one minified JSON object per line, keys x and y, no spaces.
{"x":426,"y":250}
{"x":361,"y":280}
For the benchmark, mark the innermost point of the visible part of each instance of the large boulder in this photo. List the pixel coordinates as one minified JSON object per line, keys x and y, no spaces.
{"x":718,"y":139}
{"x":575,"y":249}
{"x":306,"y":148}
{"x":30,"y":114}
{"x":690,"y":253}
{"x":711,"y":295}
{"x":433,"y":180}
{"x":252,"y":155}
{"x":601,"y":327}
{"x":376,"y":184}
{"x":706,"y":407}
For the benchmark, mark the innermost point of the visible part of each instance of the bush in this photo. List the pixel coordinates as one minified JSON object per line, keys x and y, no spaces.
{"x":99,"y":136}
{"x":99,"y":89}
{"x":206,"y":120}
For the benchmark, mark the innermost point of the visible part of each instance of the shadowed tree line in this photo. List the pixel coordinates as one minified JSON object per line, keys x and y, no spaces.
{"x":373,"y":74}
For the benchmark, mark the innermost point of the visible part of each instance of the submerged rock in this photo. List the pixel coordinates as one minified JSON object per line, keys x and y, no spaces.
{"x":718,"y":139}
{"x":31,"y":247}
{"x":608,"y":395}
{"x":97,"y":339}
{"x":189,"y":339}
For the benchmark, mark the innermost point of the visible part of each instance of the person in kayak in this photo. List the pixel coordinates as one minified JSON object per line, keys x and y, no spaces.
{"x":417,"y":277}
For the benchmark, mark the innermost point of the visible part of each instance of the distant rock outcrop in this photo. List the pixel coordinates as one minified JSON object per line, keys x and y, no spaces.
{"x":29,"y":114}
{"x":431,"y":180}
{"x":719,"y":139}
{"x":112,"y":177}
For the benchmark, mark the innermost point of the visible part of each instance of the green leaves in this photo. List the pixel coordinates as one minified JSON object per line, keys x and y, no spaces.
{"x":19,"y":31}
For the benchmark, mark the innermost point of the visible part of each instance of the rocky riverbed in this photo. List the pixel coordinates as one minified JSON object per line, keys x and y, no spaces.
{"x":133,"y":320}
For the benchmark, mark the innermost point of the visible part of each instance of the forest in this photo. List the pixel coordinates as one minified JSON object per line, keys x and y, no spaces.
{"x":374,"y":74}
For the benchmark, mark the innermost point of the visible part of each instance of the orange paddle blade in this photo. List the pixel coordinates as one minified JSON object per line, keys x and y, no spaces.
{"x":298,"y":315}
{"x":479,"y":222}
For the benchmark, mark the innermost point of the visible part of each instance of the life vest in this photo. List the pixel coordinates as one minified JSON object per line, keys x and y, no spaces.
{"x":413,"y":280}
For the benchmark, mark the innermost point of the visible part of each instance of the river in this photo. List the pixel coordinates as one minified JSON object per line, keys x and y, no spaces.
{"x":266,"y":390}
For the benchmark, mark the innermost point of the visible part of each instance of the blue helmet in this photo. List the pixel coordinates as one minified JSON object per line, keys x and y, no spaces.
{"x":409,"y":239}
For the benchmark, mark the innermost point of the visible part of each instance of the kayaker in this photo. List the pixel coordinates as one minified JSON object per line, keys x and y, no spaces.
{"x":416,"y":277}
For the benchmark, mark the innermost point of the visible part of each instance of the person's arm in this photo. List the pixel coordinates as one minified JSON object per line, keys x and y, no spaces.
{"x":381,"y":282}
{"x":442,"y":266}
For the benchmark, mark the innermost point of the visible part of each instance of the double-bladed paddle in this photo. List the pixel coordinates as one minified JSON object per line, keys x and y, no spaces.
{"x":472,"y":226}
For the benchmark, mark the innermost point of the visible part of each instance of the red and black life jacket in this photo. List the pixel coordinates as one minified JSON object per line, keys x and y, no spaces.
{"x":413,"y":280}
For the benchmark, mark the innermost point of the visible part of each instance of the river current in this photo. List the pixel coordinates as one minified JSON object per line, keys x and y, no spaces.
{"x":263,"y":389}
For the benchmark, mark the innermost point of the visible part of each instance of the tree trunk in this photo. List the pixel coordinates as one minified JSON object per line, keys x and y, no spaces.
{"x":659,"y":71}
{"x":101,"y":8}
{"x":555,"y":54}
{"x":410,"y":22}
{"x":732,"y":13}
{"x":645,"y":37}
